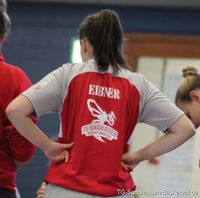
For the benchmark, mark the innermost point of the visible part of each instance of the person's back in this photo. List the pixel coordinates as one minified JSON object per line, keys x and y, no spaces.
{"x":15,"y":150}
{"x":99,"y":113}
{"x":13,"y":82}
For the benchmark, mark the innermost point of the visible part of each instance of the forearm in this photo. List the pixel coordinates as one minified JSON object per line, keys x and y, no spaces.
{"x":166,"y":143}
{"x":29,"y":130}
{"x":21,"y":149}
{"x":182,"y":130}
{"x":18,"y":112}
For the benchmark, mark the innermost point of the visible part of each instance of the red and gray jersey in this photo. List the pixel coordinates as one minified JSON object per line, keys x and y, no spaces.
{"x":98,"y":112}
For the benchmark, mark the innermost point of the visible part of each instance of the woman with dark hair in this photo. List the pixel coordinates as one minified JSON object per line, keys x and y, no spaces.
{"x":15,"y":150}
{"x":99,"y":102}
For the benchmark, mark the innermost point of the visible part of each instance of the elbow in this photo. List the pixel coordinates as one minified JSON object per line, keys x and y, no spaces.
{"x":191,"y":129}
{"x":183,"y":127}
{"x":19,"y":109}
{"x":12,"y":112}
{"x":192,"y":132}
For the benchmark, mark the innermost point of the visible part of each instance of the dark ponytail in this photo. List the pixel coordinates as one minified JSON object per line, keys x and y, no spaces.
{"x":104,"y":32}
{"x":4,"y":19}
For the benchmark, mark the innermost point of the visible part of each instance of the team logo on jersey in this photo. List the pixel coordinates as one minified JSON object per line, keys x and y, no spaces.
{"x":99,"y":127}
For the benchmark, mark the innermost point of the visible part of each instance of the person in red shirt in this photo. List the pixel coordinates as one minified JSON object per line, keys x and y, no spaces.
{"x":15,"y":150}
{"x":99,"y":102}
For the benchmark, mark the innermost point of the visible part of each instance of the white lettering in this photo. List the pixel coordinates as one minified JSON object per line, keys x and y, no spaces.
{"x":101,"y":91}
{"x":116,"y":93}
{"x":107,"y":92}
{"x":91,"y":89}
{"x":96,"y":90}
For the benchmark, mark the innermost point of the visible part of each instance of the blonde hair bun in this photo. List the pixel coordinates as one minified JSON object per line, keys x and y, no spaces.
{"x":190,"y":70}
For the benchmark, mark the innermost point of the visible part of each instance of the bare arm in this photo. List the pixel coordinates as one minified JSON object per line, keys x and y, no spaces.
{"x":18,"y":112}
{"x":179,"y":133}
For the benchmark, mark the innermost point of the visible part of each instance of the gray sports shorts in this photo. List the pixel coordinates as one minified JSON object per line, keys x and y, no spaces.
{"x":53,"y":191}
